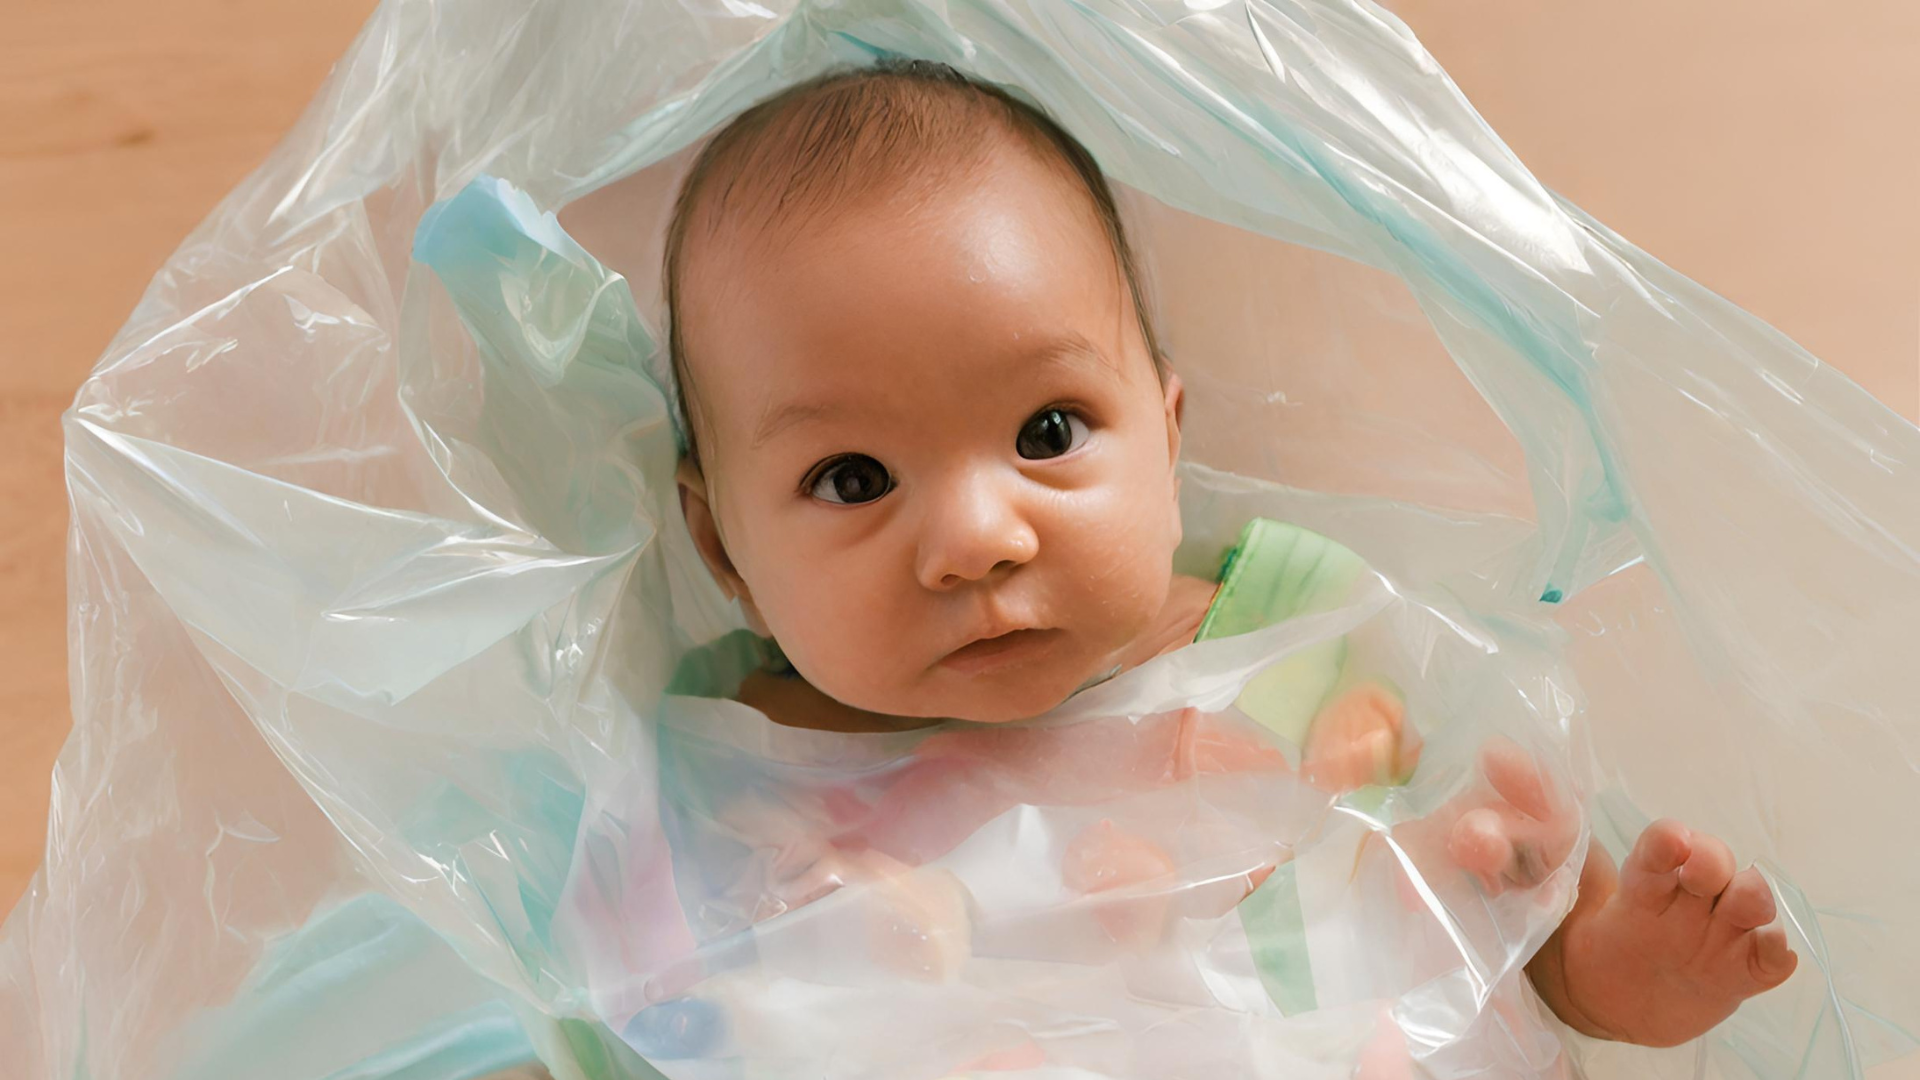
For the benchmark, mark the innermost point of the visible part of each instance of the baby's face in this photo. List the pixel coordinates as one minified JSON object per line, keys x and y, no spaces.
{"x":939,"y":457}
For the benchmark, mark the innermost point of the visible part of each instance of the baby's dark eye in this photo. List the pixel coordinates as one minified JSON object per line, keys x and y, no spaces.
{"x":1051,"y":433}
{"x":851,"y":480}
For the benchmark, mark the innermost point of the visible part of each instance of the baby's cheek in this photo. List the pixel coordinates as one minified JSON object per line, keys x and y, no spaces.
{"x":1122,"y":572}
{"x":818,"y":629}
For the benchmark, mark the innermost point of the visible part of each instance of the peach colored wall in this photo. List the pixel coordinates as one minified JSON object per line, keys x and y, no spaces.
{"x":1769,"y":148}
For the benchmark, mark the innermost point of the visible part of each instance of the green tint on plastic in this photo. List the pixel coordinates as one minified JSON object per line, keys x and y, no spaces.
{"x":363,"y":991}
{"x":1276,"y":929}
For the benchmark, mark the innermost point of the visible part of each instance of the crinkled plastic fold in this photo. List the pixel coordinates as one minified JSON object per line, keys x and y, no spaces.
{"x":379,"y":593}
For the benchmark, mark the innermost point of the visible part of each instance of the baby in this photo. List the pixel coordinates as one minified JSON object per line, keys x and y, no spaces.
{"x":932,"y":448}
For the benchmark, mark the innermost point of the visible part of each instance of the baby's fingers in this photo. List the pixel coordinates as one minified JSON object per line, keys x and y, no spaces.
{"x":1480,"y":844}
{"x":1517,"y":778}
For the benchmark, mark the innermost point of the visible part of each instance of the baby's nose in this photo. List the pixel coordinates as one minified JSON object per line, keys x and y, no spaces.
{"x":975,"y":532}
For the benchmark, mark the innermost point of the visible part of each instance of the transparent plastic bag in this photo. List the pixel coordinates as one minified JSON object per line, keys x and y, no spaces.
{"x":379,"y":588}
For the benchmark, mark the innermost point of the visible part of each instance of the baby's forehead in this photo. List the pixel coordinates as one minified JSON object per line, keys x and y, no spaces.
{"x":785,"y":191}
{"x":753,"y":240}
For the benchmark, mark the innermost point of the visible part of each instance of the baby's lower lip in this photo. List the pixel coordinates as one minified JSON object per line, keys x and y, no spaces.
{"x":1016,"y":647}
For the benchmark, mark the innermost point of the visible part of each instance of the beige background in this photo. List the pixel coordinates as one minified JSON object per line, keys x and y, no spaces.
{"x":1768,"y":148}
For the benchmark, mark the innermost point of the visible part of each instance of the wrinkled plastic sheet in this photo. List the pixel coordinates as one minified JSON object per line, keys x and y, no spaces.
{"x":377,"y":583}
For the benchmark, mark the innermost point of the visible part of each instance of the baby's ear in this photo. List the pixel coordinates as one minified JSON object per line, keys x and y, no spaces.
{"x":706,"y":531}
{"x":1176,"y":404}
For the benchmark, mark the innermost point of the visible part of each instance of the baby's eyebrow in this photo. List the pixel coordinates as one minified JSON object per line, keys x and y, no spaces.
{"x":776,"y":420}
{"x":1073,"y":350}
{"x":1070,"y":350}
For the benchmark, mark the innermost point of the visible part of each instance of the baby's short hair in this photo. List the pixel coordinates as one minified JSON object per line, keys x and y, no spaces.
{"x":815,"y":147}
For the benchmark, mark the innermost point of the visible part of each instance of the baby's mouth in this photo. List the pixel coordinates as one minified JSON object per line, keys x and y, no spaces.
{"x":1004,"y":650}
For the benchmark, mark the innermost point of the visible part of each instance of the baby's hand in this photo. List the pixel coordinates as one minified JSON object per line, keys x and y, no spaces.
{"x":1663,"y":949}
{"x":1515,"y":830}
{"x":1510,"y":831}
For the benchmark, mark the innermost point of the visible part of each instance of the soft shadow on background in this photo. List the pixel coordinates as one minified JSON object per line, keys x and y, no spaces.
{"x":1765,"y":148}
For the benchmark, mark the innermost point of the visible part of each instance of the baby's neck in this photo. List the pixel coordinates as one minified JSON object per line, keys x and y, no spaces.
{"x":1178,"y":623}
{"x":795,"y":702}
{"x":791,"y":701}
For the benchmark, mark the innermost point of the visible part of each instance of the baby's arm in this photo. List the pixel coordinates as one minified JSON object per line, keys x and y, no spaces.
{"x":1655,"y":953}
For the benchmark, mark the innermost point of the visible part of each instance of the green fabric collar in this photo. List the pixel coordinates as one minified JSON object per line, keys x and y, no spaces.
{"x":1277,"y":572}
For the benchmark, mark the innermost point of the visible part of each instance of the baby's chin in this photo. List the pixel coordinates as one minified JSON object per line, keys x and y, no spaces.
{"x":987,"y":700}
